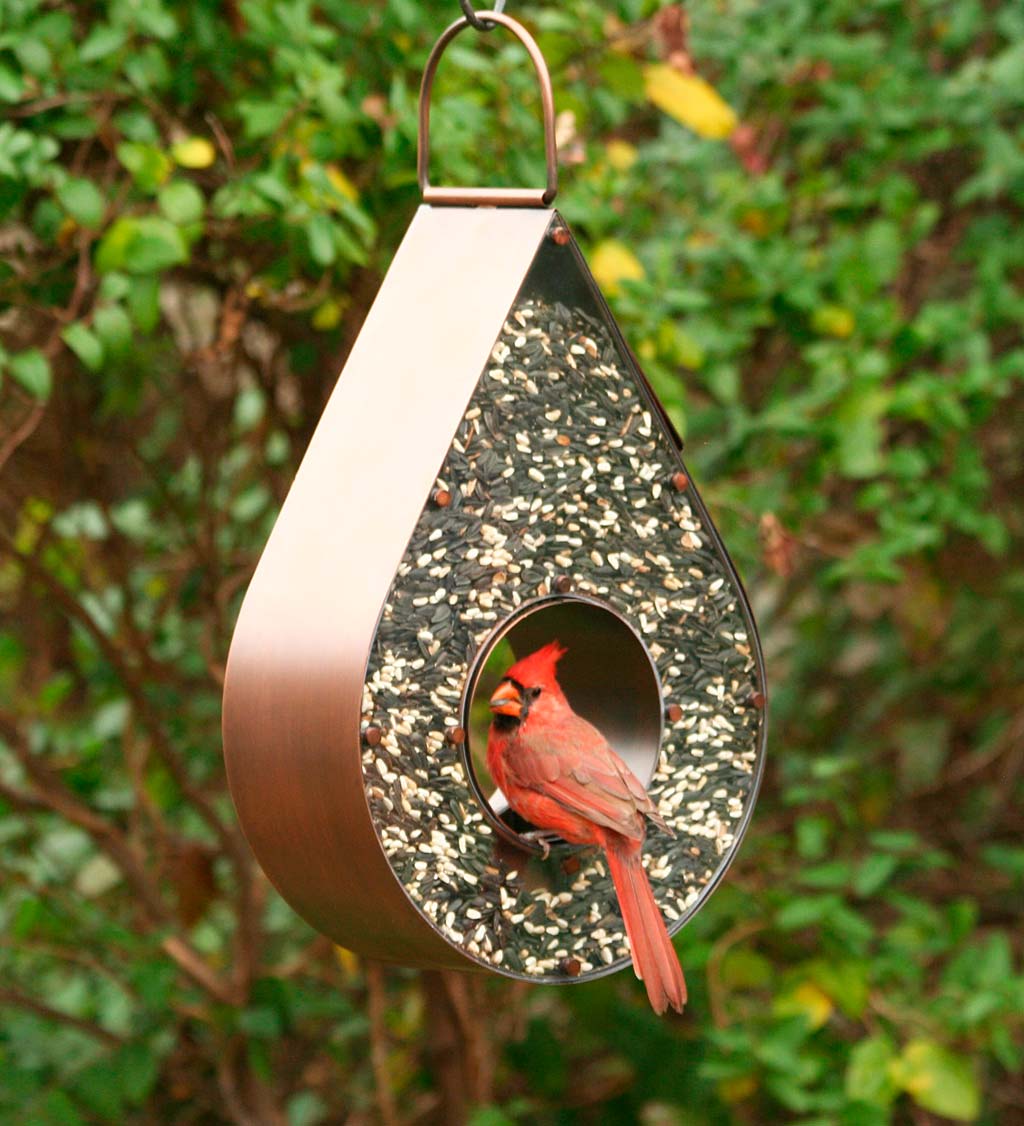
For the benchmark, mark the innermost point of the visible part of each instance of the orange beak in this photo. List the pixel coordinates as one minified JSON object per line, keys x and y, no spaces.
{"x":506,"y":699}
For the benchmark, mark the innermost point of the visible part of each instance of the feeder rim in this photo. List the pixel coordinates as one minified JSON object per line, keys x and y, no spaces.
{"x":481,"y":196}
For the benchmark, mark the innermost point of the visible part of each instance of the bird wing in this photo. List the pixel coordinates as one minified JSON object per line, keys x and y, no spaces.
{"x":573,"y":765}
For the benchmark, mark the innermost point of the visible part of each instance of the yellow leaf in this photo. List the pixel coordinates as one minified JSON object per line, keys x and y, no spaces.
{"x":754,"y":221}
{"x":621,"y":155}
{"x":806,"y":1000}
{"x":689,"y":99}
{"x":195,"y":152}
{"x":348,"y":961}
{"x":612,"y":263}
{"x":341,"y":183}
{"x":738,"y":1088}
{"x":327,"y":315}
{"x":833,"y":320}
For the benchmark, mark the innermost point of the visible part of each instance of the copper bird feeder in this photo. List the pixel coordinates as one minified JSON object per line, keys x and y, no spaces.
{"x":492,"y":471}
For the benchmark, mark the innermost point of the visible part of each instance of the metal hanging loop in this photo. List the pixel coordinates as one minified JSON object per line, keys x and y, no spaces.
{"x":474,"y":19}
{"x":495,"y":197}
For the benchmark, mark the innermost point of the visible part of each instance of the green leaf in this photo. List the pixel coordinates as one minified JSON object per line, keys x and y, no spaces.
{"x":860,"y":434}
{"x":490,"y":1116}
{"x":31,"y":369}
{"x":82,"y":201}
{"x":938,"y":1080}
{"x":138,"y":1071}
{"x":250,"y":407}
{"x":148,"y":165}
{"x":306,"y":1109}
{"x":57,"y":1109}
{"x":114,"y":328}
{"x":144,"y":302}
{"x":874,"y":873}
{"x":85,"y":344}
{"x":260,"y":1021}
{"x":805,"y":911}
{"x":11,"y":85}
{"x":141,"y":245}
{"x":250,"y":502}
{"x":96,"y":876}
{"x":868,"y":1071}
{"x":33,"y":54}
{"x":320,"y":233}
{"x":103,"y":40}
{"x":181,"y":201}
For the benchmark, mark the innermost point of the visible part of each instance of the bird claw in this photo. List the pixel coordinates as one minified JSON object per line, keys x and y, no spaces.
{"x":543,"y":838}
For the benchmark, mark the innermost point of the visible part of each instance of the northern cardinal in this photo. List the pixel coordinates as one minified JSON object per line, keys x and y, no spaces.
{"x":558,"y":771}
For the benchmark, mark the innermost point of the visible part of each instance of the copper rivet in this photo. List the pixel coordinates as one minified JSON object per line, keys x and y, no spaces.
{"x":441,"y":497}
{"x":571,"y":865}
{"x":570,"y":967}
{"x":563,"y":584}
{"x":757,"y":699}
{"x":680,"y":481}
{"x":560,"y":235}
{"x":456,"y":735}
{"x":372,"y":736}
{"x":673,"y":713}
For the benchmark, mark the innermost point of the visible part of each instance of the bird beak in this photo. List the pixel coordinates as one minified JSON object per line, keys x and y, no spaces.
{"x":506,"y":699}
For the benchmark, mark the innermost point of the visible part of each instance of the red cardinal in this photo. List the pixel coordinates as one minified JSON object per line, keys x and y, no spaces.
{"x":559,"y":772}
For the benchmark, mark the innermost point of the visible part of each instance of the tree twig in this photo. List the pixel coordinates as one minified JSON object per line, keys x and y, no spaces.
{"x":16,"y":999}
{"x":376,"y":995}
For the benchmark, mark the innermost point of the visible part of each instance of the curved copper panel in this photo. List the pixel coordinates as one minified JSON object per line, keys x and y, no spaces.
{"x":294,"y":683}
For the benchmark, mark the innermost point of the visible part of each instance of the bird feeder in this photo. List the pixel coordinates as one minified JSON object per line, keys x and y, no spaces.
{"x":491,"y":472}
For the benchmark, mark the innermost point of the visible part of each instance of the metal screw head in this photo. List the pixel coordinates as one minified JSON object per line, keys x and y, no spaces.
{"x":563,"y":584}
{"x":441,"y":497}
{"x":570,"y":967}
{"x":372,"y":735}
{"x":757,"y":699}
{"x":673,"y":713}
{"x":680,"y":481}
{"x":456,"y":735}
{"x":560,"y":235}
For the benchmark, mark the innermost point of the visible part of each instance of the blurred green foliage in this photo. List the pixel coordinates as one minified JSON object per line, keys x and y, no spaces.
{"x":197,"y":202}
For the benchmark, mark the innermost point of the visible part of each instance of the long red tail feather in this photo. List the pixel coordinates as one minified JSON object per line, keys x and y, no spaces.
{"x":654,"y":959}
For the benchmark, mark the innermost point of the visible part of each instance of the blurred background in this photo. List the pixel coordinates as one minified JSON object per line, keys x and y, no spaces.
{"x":807,"y":216}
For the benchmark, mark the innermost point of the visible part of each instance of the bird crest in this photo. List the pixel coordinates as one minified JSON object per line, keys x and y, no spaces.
{"x":538,"y":667}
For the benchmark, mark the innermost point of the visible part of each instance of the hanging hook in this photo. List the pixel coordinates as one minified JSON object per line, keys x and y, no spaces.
{"x":492,"y":197}
{"x":474,"y":20}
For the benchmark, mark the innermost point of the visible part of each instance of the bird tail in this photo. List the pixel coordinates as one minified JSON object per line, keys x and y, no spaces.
{"x":654,"y":959}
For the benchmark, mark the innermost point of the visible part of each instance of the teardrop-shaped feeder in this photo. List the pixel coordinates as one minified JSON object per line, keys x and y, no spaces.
{"x":492,"y":472}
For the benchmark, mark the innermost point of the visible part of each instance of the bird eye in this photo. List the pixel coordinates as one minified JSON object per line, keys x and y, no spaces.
{"x":534,"y":693}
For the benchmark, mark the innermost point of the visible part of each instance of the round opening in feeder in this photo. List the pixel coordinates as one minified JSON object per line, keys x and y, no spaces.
{"x":606,"y":673}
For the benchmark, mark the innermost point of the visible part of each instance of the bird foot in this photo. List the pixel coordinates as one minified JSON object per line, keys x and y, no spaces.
{"x":544,"y":838}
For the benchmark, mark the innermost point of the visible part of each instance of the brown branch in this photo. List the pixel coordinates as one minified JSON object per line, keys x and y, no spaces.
{"x":459,"y":1047}
{"x":22,"y":432}
{"x":444,"y":1050}
{"x":144,"y":708}
{"x":55,"y":101}
{"x":247,"y":936}
{"x":191,"y":962}
{"x":377,"y":1006}
{"x":722,"y":947}
{"x":71,"y":955}
{"x":52,"y":347}
{"x":16,"y":999}
{"x":50,"y":795}
{"x":468,"y":1008}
